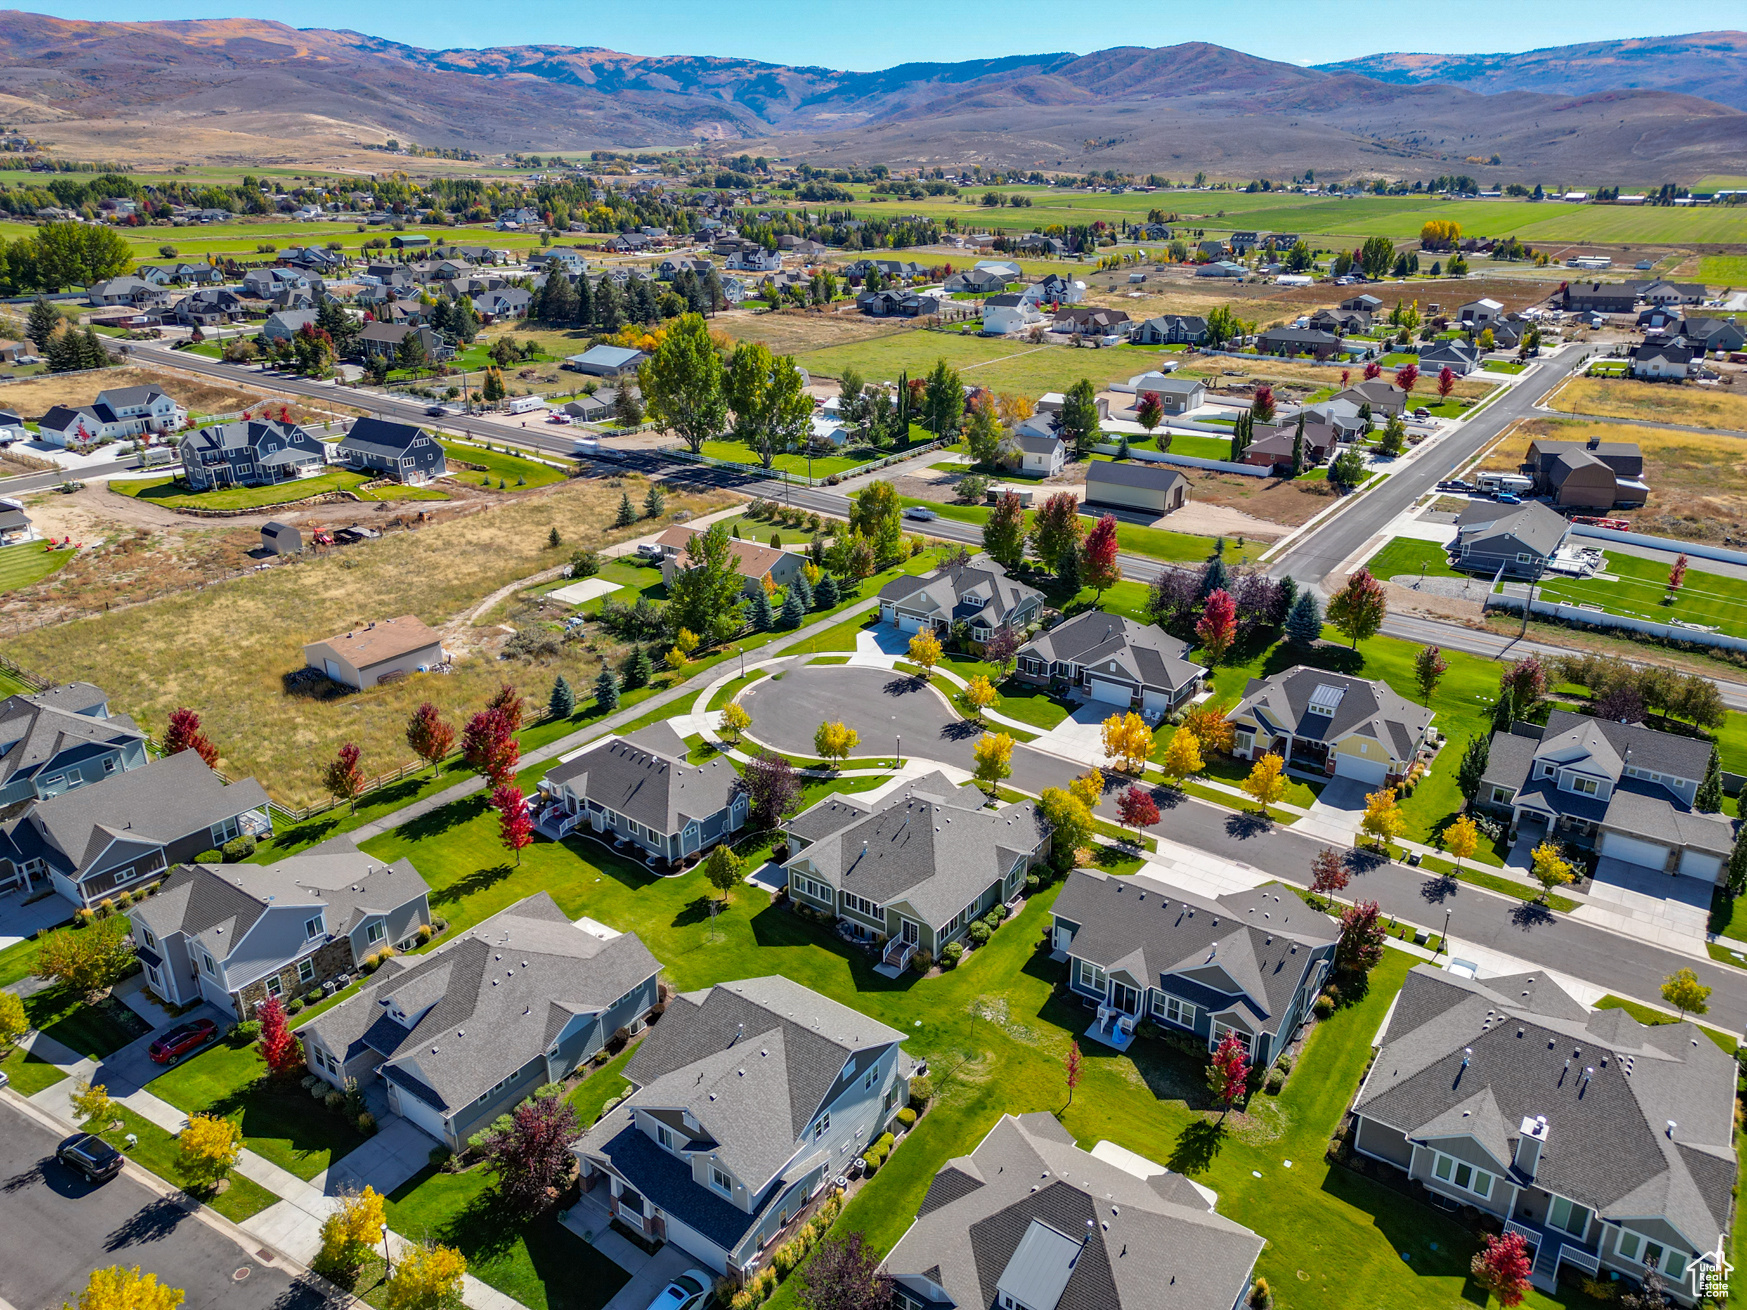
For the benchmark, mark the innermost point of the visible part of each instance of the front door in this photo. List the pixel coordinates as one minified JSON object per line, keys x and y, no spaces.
{"x":1124,"y":997}
{"x":910,"y":931}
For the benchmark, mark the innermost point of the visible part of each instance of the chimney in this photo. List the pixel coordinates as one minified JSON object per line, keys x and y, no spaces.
{"x":1531,"y":1138}
{"x":1594,"y":443}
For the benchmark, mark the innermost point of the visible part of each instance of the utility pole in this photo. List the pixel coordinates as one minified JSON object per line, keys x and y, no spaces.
{"x":1529,"y":602}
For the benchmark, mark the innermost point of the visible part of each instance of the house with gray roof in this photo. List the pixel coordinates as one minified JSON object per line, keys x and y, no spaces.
{"x":1623,"y":790}
{"x":62,"y":739}
{"x":285,"y":324}
{"x":1172,"y":330}
{"x":750,"y":1098}
{"x":1520,"y":539}
{"x":1712,"y":334}
{"x":640,"y":793}
{"x":238,"y":934}
{"x":97,"y":841}
{"x":1457,"y":356}
{"x":401,"y":451}
{"x":250,"y":453}
{"x":1605,"y":1143}
{"x":607,"y":361}
{"x":1112,"y":660}
{"x":1588,"y":475}
{"x":1297,"y":341}
{"x":978,"y":593}
{"x":1029,"y":1220}
{"x":1330,"y":724}
{"x":1246,"y":965}
{"x":1041,"y":451}
{"x":464,"y":1033}
{"x":916,"y":868}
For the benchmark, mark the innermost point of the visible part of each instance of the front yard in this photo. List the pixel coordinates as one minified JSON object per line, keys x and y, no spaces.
{"x":1410,"y":556}
{"x":515,"y":472}
{"x":174,"y":493}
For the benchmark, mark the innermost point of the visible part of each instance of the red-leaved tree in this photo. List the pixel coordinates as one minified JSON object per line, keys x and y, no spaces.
{"x":1150,"y":412}
{"x":1072,"y":1068}
{"x":184,"y":734}
{"x":1677,"y":574}
{"x":1137,"y":808}
{"x":344,"y":778}
{"x":1346,"y":376}
{"x":1361,"y":942}
{"x":1407,"y":377}
{"x":1446,"y":382}
{"x":530,"y":1158}
{"x":277,"y":1045}
{"x":508,"y":702}
{"x":1001,"y":649}
{"x":1229,"y":1074}
{"x":1102,"y":570}
{"x":1328,"y":872}
{"x":1373,"y":370}
{"x":428,"y":735}
{"x":1502,"y":1268}
{"x":515,"y":824}
{"x":1217,"y":626}
{"x":771,"y":788}
{"x":1262,"y":404}
{"x":488,"y":745}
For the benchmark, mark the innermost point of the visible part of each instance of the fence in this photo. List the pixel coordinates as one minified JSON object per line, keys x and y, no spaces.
{"x":24,"y":675}
{"x":1566,"y":612}
{"x":1189,"y":461}
{"x":759,"y":471}
{"x":1694,"y":548}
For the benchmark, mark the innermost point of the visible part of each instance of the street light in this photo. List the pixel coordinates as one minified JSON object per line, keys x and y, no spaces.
{"x":1444,"y":941}
{"x":387,"y":1263}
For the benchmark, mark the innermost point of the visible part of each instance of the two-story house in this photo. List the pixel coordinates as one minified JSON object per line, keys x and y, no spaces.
{"x":250,"y":453}
{"x":96,"y":842}
{"x":1246,"y":965}
{"x":1172,"y":330}
{"x":750,"y":1098}
{"x":384,"y":341}
{"x":1622,"y":789}
{"x":62,"y":739}
{"x":978,"y":593}
{"x":1331,"y":724}
{"x":916,"y":868}
{"x":464,"y":1033}
{"x":237,"y":934}
{"x":1029,"y":1221}
{"x":1607,"y":1144}
{"x":1112,"y":660}
{"x":116,"y":413}
{"x":143,"y":409}
{"x":399,"y":451}
{"x":1588,"y":475}
{"x":639,"y":791}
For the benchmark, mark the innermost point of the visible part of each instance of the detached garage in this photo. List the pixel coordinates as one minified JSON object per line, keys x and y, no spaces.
{"x":1150,"y":488}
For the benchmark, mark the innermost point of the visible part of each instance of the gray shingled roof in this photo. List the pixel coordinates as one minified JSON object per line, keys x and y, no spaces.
{"x":1534,"y":525}
{"x":35,"y":729}
{"x":654,"y":787}
{"x":994,"y":1216}
{"x":1154,"y":477}
{"x":380,"y":437}
{"x":978,"y":589}
{"x":1608,"y":1145}
{"x":1143,"y":653}
{"x":1367,"y":709}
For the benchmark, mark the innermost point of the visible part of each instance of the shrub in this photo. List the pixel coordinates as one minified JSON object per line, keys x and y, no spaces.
{"x":334,"y":1100}
{"x":308,"y":1081}
{"x":742,"y":1300}
{"x":425,"y":933}
{"x":1285,"y":1062}
{"x":244,"y":1033}
{"x":950,"y":955}
{"x":296,"y":1006}
{"x":105,"y":908}
{"x":370,"y":963}
{"x":82,"y":916}
{"x":786,"y":1257}
{"x":764,"y":1283}
{"x":1032,"y":882}
{"x":922,"y":962}
{"x":440,"y":1156}
{"x":319,"y":1090}
{"x":1276,"y":1080}
{"x":886,"y":1142}
{"x":906,"y":1116}
{"x":1261,"y":1298}
{"x":979,"y":932}
{"x":209,"y":857}
{"x":367,"y":1123}
{"x":239,"y":849}
{"x":123,"y":901}
{"x":921,"y":1090}
{"x":1324,"y":1006}
{"x":871,"y":1162}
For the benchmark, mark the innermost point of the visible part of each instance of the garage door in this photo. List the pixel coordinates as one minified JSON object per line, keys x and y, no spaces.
{"x":1155,"y":702}
{"x":1696,"y":864}
{"x":1634,"y":850}
{"x":416,"y":1112}
{"x":1111,"y":693}
{"x":1357,"y":766}
{"x":909,"y":623}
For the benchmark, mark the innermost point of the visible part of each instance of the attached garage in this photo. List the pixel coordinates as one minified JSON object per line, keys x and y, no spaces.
{"x":1357,"y":766}
{"x":1634,"y":850}
{"x":1151,"y":488}
{"x":909,"y":623}
{"x":1701,"y":865}
{"x":417,"y":1112}
{"x":1107,"y":692}
{"x":1155,"y":702}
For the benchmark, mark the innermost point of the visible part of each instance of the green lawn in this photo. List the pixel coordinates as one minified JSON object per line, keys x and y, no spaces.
{"x":541,"y":1263}
{"x":1155,"y":543}
{"x":1179,"y":443}
{"x":1502,"y":366}
{"x":1635,"y":586}
{"x":94,"y":1031}
{"x":1723,"y":270}
{"x":1406,"y":555}
{"x":280,"y":1120}
{"x":590,"y":1096}
{"x":157,"y":1151}
{"x":173,"y":493}
{"x":736,"y":452}
{"x":512,"y":470}
{"x":28,"y":563}
{"x":1000,"y":365}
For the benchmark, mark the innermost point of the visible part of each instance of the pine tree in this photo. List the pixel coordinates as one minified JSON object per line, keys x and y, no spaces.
{"x":1709,"y":797}
{"x":627,"y":512}
{"x":827,"y":594}
{"x":639,"y":669}
{"x":655,"y":503}
{"x":1068,"y":571}
{"x":1473,"y":766}
{"x":606,"y":690}
{"x":761,"y":617}
{"x":1216,"y":578}
{"x":41,"y":323}
{"x":794,"y":608}
{"x":584,"y":302}
{"x":1504,"y":712}
{"x":1298,"y":446}
{"x":801,"y":587}
{"x":1304,"y":621}
{"x":563,"y":700}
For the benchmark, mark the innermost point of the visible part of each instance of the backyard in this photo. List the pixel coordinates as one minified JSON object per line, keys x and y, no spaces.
{"x":513,"y":471}
{"x":29,"y":562}
{"x":1638,"y":587}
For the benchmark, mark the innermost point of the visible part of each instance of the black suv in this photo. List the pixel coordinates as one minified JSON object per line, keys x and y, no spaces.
{"x":91,"y":1156}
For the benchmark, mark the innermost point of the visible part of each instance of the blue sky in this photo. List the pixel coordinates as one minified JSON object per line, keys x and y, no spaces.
{"x":873,"y":34}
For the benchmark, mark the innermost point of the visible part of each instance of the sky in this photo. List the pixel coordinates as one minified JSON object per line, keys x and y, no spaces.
{"x":865,"y":35}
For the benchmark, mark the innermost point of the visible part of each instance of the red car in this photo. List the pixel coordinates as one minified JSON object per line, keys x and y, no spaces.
{"x":176,"y":1043}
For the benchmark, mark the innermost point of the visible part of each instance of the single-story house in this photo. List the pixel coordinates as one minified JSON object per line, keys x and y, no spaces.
{"x":1364,"y":304}
{"x":1090,"y":320}
{"x":1383,"y":396}
{"x":1150,"y":488}
{"x":1457,"y":356}
{"x":1112,"y":660}
{"x":975,"y":281}
{"x":1171,"y":330}
{"x":1597,"y":298}
{"x":377,"y":652}
{"x":1273,"y":443}
{"x":978,"y":592}
{"x":1476,"y":314}
{"x":63,"y":738}
{"x":1331,"y":724}
{"x":281,"y":539}
{"x":383,"y":340}
{"x":1297,"y":341}
{"x":607,"y":361}
{"x":1520,"y":539}
{"x":1176,"y":395}
{"x":285,"y":324}
{"x":1661,"y":361}
{"x":1009,"y":313}
{"x":466,"y":1032}
{"x":250,"y":453}
{"x":753,"y":561}
{"x":393,"y":450}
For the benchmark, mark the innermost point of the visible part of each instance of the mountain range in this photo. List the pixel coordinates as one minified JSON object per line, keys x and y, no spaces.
{"x":262,"y":92}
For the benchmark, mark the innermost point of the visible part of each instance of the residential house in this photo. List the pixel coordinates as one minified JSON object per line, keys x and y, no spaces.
{"x":1658,"y":292}
{"x":250,"y":453}
{"x":466,"y":1032}
{"x":236,"y":935}
{"x":976,"y":281}
{"x":1041,"y":451}
{"x":1363,"y":304}
{"x":607,"y":361}
{"x":1708,"y":334}
{"x":116,"y":413}
{"x":61,"y":739}
{"x":670,"y":268}
{"x":1273,"y":444}
{"x":1457,"y":356}
{"x":208,"y":307}
{"x":1153,"y":489}
{"x":1331,"y":724}
{"x":749,"y":1099}
{"x":1091,"y":320}
{"x":398,"y":451}
{"x":1383,"y":396}
{"x":14,"y":522}
{"x":1051,"y":403}
{"x":915,"y":869}
{"x":384,"y":341}
{"x":597,"y":408}
{"x":1606,"y":1143}
{"x":1005,"y":268}
{"x":628,"y":243}
{"x":755,"y":260}
{"x":125,"y":290}
{"x":1509,"y":332}
{"x":1477,"y":314}
{"x":1112,"y":660}
{"x":1340,"y":322}
{"x":1009,"y":313}
{"x":287,"y":323}
{"x":265,"y":283}
{"x":1589,"y":475}
{"x":1661,"y":360}
{"x":1340,"y":415}
{"x":1520,"y":539}
{"x":978,"y":593}
{"x":1222,"y":268}
{"x":1206,"y":967}
{"x":1035,"y":243}
{"x":1030,"y":1219}
{"x":281,"y":539}
{"x":384,"y":651}
{"x":97,"y":841}
{"x":1171,"y":330}
{"x":639,"y":791}
{"x":12,"y":427}
{"x":1297,"y":341}
{"x":1621,"y":789}
{"x":1597,"y":298}
{"x":1176,"y":395}
{"x":1056,"y":290}
{"x":1214,"y":248}
{"x":760,"y":567}
{"x":502,"y":303}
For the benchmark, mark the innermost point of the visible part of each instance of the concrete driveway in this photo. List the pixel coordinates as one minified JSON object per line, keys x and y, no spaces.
{"x":18,"y":920}
{"x":1671,"y":911}
{"x":879,"y":704}
{"x":1080,"y":736}
{"x":1336,"y":814}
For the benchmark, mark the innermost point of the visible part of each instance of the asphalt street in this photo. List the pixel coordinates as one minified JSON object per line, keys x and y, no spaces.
{"x":54,"y":478}
{"x":55,"y":1228}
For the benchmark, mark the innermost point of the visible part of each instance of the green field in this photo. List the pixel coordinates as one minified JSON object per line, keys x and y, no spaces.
{"x":1723,"y":270}
{"x":1003,"y":366}
{"x":1181,"y":443}
{"x":1406,"y":555}
{"x":1639,"y":585}
{"x":172,"y":493}
{"x":193,"y":244}
{"x":512,"y":470}
{"x":29,"y":562}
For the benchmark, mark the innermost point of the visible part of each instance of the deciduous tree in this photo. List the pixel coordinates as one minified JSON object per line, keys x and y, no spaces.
{"x":344,"y":777}
{"x":183,"y":734}
{"x":118,"y":1288}
{"x":429,"y":736}
{"x":1360,"y":946}
{"x":530,"y":1157}
{"x":1462,"y":838}
{"x":1078,"y":420}
{"x":1071,"y":1068}
{"x":844,"y":1274}
{"x":1070,"y":824}
{"x":1429,"y":667}
{"x":1217,"y":626}
{"x":1383,"y":821}
{"x":349,"y":1232}
{"x":682,"y":383}
{"x":1266,"y":782}
{"x":877,"y":513}
{"x":1100,"y":567}
{"x":427,"y":1277}
{"x":736,"y":719}
{"x":515,"y":825}
{"x":992,"y":758}
{"x":1359,"y":608}
{"x":91,"y":1103}
{"x":1002,"y":649}
{"x":1686,"y":993}
{"x":1446,"y":382}
{"x":771,"y":788}
{"x":14,"y":1023}
{"x":1137,"y":809}
{"x":86,"y":959}
{"x":925,"y":651}
{"x":722,"y":869}
{"x":979,"y":694}
{"x":1502,"y":1267}
{"x":1150,"y":412}
{"x":1182,"y":756}
{"x":1228,"y":1074}
{"x":1407,"y":378}
{"x":705,"y":594}
{"x":1549,"y":868}
{"x":1088,"y":788}
{"x":1127,"y":741}
{"x":1211,"y":729}
{"x":1329,"y":873}
{"x":1055,"y":528}
{"x":278,"y":1047}
{"x":208,"y":1151}
{"x":1004,"y":531}
{"x":490,"y":748}
{"x":834,"y":740}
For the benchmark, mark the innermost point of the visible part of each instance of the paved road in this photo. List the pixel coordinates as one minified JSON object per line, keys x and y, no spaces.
{"x":54,"y":478}
{"x":1311,"y":559}
{"x":55,"y":1228}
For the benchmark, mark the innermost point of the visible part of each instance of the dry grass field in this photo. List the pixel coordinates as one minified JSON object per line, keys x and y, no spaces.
{"x":1655,"y":402}
{"x":1698,"y":481}
{"x":33,"y":396}
{"x":226,"y":650}
{"x":793,"y":332}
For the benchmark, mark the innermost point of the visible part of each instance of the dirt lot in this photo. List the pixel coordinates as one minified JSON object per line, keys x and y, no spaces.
{"x":794,"y":331}
{"x":1698,"y":481}
{"x":226,"y":650}
{"x":33,"y":396}
{"x":1657,"y":402}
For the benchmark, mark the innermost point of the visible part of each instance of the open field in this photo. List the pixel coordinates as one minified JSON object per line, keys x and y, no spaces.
{"x":1723,"y":270}
{"x":173,"y":493}
{"x":794,"y":331}
{"x":981,"y":361}
{"x":1635,"y":586}
{"x":154,"y":657}
{"x":32,"y":396}
{"x":195,"y":242}
{"x":1698,"y":481}
{"x":1655,"y":402}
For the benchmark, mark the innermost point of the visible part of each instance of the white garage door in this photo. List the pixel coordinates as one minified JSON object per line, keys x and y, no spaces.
{"x":1696,"y":864}
{"x":1357,"y":766}
{"x":909,"y":623}
{"x":1634,"y":850}
{"x":1111,"y":693}
{"x":1155,"y":702}
{"x":416,"y":1112}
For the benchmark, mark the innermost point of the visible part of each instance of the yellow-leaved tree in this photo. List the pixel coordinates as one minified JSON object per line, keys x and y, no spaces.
{"x":993,"y":758}
{"x":834,"y":740}
{"x":1182,"y":756}
{"x":1383,"y":821}
{"x":925,"y":652}
{"x":1267,"y":782}
{"x":209,"y":1149}
{"x":979,"y":694}
{"x":1462,"y":839}
{"x":14,"y":1023}
{"x":1128,"y":741}
{"x":1549,"y":868}
{"x":116,"y":1288}
{"x":736,"y":719}
{"x":92,"y":1104}
{"x":426,"y":1278}
{"x":1088,"y":788}
{"x":348,"y":1234}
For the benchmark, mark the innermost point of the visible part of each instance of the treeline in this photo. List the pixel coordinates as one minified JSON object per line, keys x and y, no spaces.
{"x":61,"y":255}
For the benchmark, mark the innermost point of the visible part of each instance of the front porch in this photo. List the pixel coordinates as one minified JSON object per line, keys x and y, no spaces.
{"x":1552,"y":1249}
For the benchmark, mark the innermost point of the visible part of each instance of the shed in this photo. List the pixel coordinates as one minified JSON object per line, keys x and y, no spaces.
{"x":1148,"y":487}
{"x":281,"y":539}
{"x":366,"y":656}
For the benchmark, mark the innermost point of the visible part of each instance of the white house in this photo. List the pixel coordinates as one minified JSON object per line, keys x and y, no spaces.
{"x":1007,"y":314}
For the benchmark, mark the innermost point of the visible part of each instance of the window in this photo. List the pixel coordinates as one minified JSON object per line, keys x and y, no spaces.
{"x":1221,"y":1031}
{"x":823,"y":1126}
{"x":1090,"y":975}
{"x":375,"y":932}
{"x":206,"y":963}
{"x":1568,"y":1216}
{"x":1502,"y":795}
{"x":872,"y":1075}
{"x":55,"y":781}
{"x":306,"y":970}
{"x":861,"y":905}
{"x":1243,"y":741}
{"x":722,"y":1181}
{"x":147,"y":938}
{"x":1585,"y":786}
{"x":1461,"y":1174}
{"x":275,"y":986}
{"x":664,"y":1135}
{"x":312,"y":927}
{"x":1173,"y":1010}
{"x":109,"y":764}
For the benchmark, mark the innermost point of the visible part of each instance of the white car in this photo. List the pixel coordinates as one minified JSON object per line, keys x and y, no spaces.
{"x":683,"y":1293}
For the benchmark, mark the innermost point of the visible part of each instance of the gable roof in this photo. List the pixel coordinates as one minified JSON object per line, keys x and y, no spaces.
{"x":1145,"y":653}
{"x":36,"y":729}
{"x":751,"y":559}
{"x":381,"y":437}
{"x":1533,"y":525}
{"x":366,"y":647}
{"x":1153,"y":477}
{"x":648,"y":781}
{"x":1364,"y":709}
{"x":978,"y":590}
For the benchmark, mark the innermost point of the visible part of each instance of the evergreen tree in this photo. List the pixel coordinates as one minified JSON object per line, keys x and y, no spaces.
{"x":1288,"y":594}
{"x":794,"y":607}
{"x":584,"y":302}
{"x":1709,"y":797}
{"x":63,"y":352}
{"x":92,"y":351}
{"x":1304,"y":621}
{"x":606,"y":690}
{"x":563,"y":701}
{"x":1216,"y":577}
{"x":638,"y":669}
{"x":41,"y":323}
{"x":1504,"y":713}
{"x":609,"y":307}
{"x":627,"y":512}
{"x":1298,"y":446}
{"x":655,"y":503}
{"x":1473,"y":766}
{"x":1068,"y":571}
{"x":760,"y":616}
{"x":826,"y":595}
{"x":1738,"y":863}
{"x":804,"y":589}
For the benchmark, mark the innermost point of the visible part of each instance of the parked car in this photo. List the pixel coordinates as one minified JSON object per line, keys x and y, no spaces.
{"x":183,"y":1040}
{"x":1422,"y":412}
{"x":556,"y":417}
{"x":684,"y":1292}
{"x":649,"y":550}
{"x":1455,"y":484}
{"x":1508,"y":498}
{"x":90,"y":1155}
